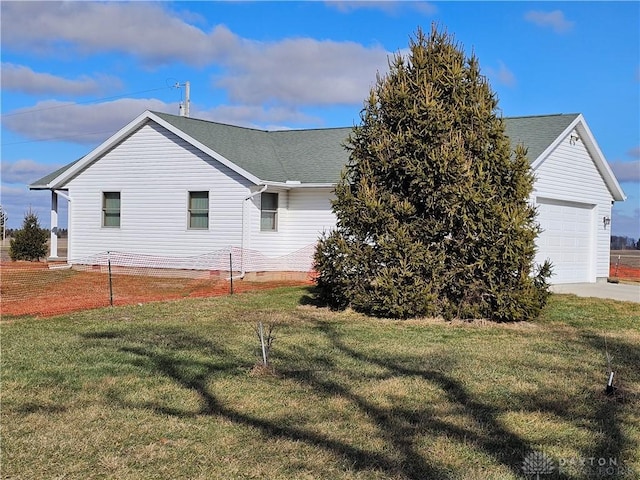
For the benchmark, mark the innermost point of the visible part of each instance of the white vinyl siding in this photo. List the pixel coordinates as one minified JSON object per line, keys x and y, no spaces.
{"x":303,"y":215}
{"x":310,"y":214}
{"x":154,"y":170}
{"x":569,"y":174}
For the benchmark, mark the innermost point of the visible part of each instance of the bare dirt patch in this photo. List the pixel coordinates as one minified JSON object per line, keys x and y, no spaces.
{"x":34,"y":289}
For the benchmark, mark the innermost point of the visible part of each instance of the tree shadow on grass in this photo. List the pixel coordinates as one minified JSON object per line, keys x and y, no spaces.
{"x":400,"y":427}
{"x":195,"y":376}
{"x":604,"y":417}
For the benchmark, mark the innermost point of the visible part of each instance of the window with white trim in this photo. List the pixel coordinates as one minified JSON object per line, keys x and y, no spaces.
{"x":199,"y":210}
{"x":111,"y":209}
{"x":269,"y":212}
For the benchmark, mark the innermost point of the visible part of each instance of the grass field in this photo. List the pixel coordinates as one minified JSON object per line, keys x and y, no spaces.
{"x":169,"y":390}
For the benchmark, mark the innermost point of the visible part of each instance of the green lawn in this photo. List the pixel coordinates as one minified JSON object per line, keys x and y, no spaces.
{"x":167,"y":391}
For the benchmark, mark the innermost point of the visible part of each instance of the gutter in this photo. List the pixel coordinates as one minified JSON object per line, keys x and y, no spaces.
{"x":290,"y":184}
{"x":242,"y":267}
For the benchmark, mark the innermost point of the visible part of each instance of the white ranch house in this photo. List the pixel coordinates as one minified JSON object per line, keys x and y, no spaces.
{"x":180,"y":188}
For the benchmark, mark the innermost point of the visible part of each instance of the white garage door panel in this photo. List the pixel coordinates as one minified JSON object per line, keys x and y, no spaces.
{"x":566,"y":239}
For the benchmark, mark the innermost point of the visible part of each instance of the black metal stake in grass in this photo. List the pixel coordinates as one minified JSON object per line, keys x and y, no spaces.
{"x":110,"y":282}
{"x":231,"y":272}
{"x":610,"y":389}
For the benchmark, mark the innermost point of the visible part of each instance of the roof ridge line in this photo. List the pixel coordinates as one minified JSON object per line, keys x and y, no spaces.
{"x":544,"y":115}
{"x":248,"y":128}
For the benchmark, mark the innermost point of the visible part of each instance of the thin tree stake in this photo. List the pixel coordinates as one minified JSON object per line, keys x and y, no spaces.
{"x":264,"y":350}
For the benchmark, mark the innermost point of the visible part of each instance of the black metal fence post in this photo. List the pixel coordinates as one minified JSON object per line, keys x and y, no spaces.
{"x":231,"y":271}
{"x":110,"y":281}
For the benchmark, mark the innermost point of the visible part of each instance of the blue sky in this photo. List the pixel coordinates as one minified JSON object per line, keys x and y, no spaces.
{"x":74,"y":73}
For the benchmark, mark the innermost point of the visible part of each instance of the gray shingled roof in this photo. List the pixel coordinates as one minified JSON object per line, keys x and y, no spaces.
{"x":537,"y":133}
{"x":317,"y":155}
{"x":308,"y":156}
{"x":44,"y":181}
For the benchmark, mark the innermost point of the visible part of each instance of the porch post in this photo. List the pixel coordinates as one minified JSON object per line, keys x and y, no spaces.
{"x":53,"y":244}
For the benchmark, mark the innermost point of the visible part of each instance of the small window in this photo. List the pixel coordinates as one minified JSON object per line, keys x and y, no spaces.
{"x":199,"y":210}
{"x":269,"y":212}
{"x":111,"y":209}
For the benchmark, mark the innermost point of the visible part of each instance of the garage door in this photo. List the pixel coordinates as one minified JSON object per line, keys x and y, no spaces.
{"x":566,"y":239}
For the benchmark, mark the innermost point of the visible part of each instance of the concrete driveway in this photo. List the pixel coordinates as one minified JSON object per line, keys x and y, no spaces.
{"x":613,"y":291}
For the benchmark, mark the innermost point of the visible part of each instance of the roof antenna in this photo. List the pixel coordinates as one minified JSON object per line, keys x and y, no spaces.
{"x":184,"y":106}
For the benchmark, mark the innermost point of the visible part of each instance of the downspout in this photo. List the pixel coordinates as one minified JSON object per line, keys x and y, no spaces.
{"x":242,"y":266}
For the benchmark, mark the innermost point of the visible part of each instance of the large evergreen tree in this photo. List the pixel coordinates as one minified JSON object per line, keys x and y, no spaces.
{"x":30,"y":242}
{"x":433,"y":213}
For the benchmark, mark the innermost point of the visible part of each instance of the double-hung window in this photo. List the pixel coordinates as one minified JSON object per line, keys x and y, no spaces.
{"x":111,"y":209}
{"x":269,"y":212}
{"x":199,"y":210}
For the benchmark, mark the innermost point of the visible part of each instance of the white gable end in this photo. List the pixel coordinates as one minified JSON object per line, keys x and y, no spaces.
{"x":154,"y":170}
{"x":572,"y":199}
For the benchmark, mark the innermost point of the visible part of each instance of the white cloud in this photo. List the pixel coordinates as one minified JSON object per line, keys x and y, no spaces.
{"x":554,"y":20}
{"x":146,"y":30}
{"x":24,"y":171}
{"x":351,"y":6}
{"x":92,"y":124}
{"x":256,"y":116}
{"x":87,"y":124}
{"x":269,"y":83}
{"x":502,"y":75}
{"x":301,"y":71}
{"x":626,"y":171}
{"x":293,"y":71}
{"x":19,"y":78}
{"x":634,"y":152}
{"x":389,"y":7}
{"x":426,"y":8}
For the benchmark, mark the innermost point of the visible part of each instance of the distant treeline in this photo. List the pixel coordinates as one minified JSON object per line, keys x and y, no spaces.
{"x":11,"y":232}
{"x":624,"y":243}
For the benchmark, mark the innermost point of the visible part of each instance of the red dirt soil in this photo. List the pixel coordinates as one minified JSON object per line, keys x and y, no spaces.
{"x":28,"y":288}
{"x":34,"y":289}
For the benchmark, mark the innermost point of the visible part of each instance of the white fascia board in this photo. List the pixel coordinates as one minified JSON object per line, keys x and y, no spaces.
{"x":220,"y":158}
{"x":592,"y":146}
{"x":109,"y":143}
{"x":601,"y":162}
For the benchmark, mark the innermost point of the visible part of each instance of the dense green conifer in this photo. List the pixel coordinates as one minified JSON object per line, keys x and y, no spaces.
{"x":433,"y":212}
